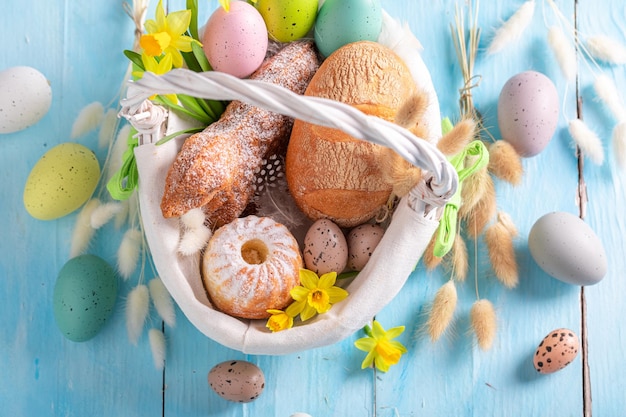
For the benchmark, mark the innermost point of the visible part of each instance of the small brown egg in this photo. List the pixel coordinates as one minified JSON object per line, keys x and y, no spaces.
{"x":362,"y":240}
{"x":325,"y":248}
{"x":557,"y":350}
{"x":237,"y":381}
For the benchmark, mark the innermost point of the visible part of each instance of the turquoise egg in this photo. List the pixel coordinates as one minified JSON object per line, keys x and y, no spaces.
{"x":340,"y":22}
{"x":84,"y":297}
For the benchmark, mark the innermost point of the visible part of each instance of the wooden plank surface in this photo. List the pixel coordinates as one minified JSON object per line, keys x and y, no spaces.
{"x":78,"y":45}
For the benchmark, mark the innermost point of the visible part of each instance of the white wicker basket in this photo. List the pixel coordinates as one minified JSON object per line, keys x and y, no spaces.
{"x":413,"y":224}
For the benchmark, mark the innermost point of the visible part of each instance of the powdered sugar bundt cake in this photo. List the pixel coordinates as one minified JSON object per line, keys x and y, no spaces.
{"x":250,"y":265}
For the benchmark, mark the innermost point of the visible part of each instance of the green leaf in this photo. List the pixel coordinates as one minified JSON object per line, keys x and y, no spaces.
{"x":135,"y":58}
{"x":169,"y":137}
{"x":198,"y":52}
{"x":192,"y":5}
{"x":191,"y":61}
{"x":204,"y":119}
{"x":191,"y":104}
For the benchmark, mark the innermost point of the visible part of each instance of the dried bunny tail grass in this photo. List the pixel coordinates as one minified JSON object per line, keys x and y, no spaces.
{"x":499,"y":241}
{"x":458,"y":261}
{"x":505,"y":163}
{"x":137,"y":307}
{"x":412,"y":111}
{"x":163,"y":303}
{"x":619,"y":144}
{"x":430,"y":260}
{"x":104,"y":213}
{"x":513,"y":28}
{"x":505,"y":220}
{"x":456,"y":139}
{"x":474,"y":187}
{"x":157,"y":347}
{"x":398,"y":173}
{"x":122,"y":216}
{"x":484,"y":323}
{"x":606,"y":49}
{"x":587,"y":140}
{"x":128,"y":252}
{"x":87,"y":120}
{"x":478,"y":215}
{"x":193,"y":219}
{"x":107,"y":128}
{"x":194,"y":240}
{"x":83,"y":232}
{"x":564,"y":51}
{"x":609,"y":95}
{"x":442,"y":310}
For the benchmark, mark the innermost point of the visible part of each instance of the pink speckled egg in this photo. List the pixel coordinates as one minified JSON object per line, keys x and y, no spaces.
{"x":235,"y":42}
{"x":557,"y":350}
{"x":528,"y":112}
{"x":237,"y":381}
{"x":325,"y":248}
{"x":362,"y":240}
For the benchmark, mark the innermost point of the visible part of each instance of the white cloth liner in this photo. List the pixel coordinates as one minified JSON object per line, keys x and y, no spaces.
{"x":414,"y":220}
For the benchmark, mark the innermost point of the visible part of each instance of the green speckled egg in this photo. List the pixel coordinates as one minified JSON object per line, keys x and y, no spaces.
{"x":288,"y":21}
{"x":340,"y":22}
{"x":84,"y":297}
{"x":61,"y":181}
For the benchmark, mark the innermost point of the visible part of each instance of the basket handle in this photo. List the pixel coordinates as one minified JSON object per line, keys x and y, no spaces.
{"x":441,"y":180}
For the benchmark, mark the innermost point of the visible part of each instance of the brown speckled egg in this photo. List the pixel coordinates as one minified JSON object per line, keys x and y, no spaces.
{"x":557,"y":350}
{"x":325,"y":248}
{"x":362,"y":240}
{"x":237,"y":381}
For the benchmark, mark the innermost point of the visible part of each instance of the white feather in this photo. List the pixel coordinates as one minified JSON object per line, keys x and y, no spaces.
{"x":158,"y":347}
{"x":511,"y":30}
{"x":587,"y":140}
{"x":193,"y":219}
{"x":104,"y":213}
{"x":128,"y":253}
{"x":162,"y":301}
{"x":398,"y":36}
{"x":83,"y":232}
{"x":88,"y":119}
{"x":606,"y":49}
{"x":194,"y":240}
{"x":564,"y":52}
{"x":607,"y":92}
{"x":619,"y":144}
{"x":137,"y":307}
{"x":107,"y":128}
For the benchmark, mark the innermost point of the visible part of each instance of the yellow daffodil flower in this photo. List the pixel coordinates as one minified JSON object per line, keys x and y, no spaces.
{"x":158,"y":67}
{"x":382,"y":350}
{"x":166,"y":35}
{"x":226,"y":4}
{"x":316,"y":295}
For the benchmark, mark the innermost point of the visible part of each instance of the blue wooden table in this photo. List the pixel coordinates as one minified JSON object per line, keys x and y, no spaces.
{"x":78,"y":46}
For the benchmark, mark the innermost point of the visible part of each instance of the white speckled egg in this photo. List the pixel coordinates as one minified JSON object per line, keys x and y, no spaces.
{"x":26,"y":97}
{"x":565,"y":247}
{"x":325,"y":248}
{"x":557,"y":350}
{"x":61,"y":181}
{"x":528,"y":112}
{"x":235,"y":42}
{"x":362,"y":240}
{"x":237,"y":381}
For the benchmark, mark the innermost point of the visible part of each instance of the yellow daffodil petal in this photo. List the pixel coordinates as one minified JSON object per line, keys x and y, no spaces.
{"x":279,"y":321}
{"x":307,"y":312}
{"x":327,"y":280}
{"x":299,"y":293}
{"x":178,"y":22}
{"x":336,"y":294}
{"x":381,"y":365}
{"x":319,"y":300}
{"x":225,"y":4}
{"x":183,"y":43}
{"x":366,"y":344}
{"x":159,"y":14}
{"x":164,"y":65}
{"x":308,"y":279}
{"x":394,"y":332}
{"x":295,"y":308}
{"x":369,"y":360}
{"x":377,"y":330}
{"x":388,"y":352}
{"x":154,"y":44}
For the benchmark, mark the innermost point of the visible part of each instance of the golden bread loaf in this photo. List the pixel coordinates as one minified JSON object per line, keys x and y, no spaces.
{"x":215,"y":169}
{"x":331,"y":174}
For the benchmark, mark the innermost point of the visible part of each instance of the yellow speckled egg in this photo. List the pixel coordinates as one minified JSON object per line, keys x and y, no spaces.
{"x":61,"y":181}
{"x":288,"y":21}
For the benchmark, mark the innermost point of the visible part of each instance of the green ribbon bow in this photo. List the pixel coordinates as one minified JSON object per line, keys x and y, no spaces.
{"x":448,"y":223}
{"x":124,"y":182}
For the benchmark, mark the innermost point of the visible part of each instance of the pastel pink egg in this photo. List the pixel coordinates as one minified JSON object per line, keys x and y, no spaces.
{"x":235,"y":42}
